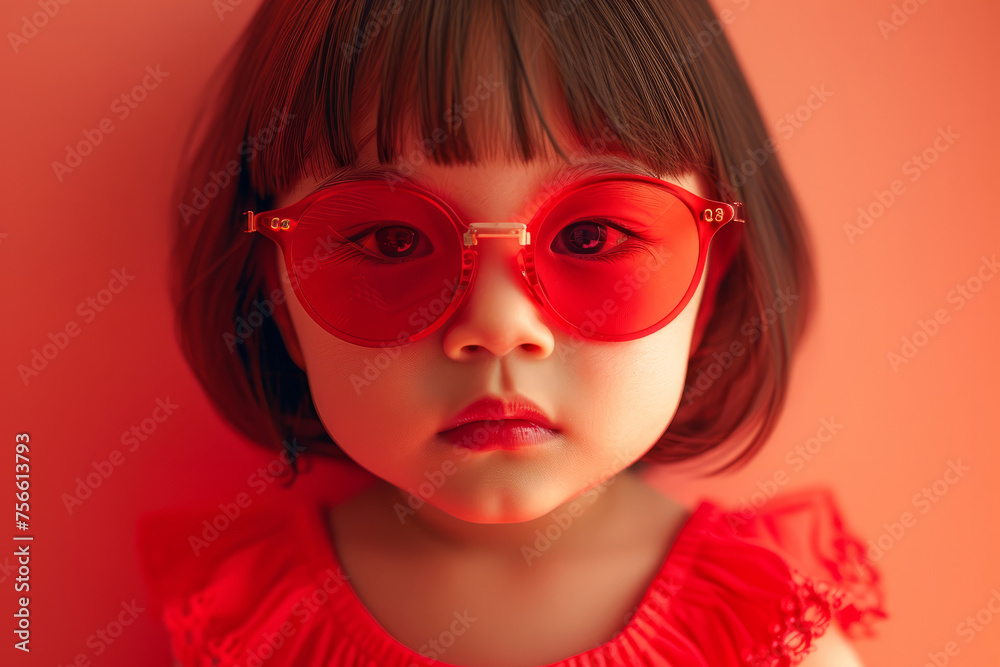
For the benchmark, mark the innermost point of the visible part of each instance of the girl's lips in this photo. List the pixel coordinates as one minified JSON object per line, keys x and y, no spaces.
{"x":498,"y":434}
{"x":512,"y":408}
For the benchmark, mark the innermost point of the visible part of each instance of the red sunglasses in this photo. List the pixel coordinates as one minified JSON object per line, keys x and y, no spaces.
{"x":611,"y":258}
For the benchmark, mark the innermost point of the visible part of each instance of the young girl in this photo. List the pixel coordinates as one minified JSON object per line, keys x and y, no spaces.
{"x":465,"y":246}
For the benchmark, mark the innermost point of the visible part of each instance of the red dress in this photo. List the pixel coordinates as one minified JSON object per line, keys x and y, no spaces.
{"x":750,"y":588}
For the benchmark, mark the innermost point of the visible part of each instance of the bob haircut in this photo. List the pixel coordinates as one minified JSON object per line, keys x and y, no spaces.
{"x":656,"y":81}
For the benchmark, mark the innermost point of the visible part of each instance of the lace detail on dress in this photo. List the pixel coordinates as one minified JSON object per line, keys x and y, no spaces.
{"x":858,"y":576}
{"x":807,"y":529}
{"x":808,"y":609}
{"x":186,"y":622}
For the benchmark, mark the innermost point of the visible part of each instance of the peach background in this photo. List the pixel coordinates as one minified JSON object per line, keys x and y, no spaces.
{"x":888,"y":99}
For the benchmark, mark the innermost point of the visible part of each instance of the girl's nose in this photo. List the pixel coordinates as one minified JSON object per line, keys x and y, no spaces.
{"x":499,"y":314}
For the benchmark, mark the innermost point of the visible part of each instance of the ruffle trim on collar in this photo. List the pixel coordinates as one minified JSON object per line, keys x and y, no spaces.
{"x":736,"y":588}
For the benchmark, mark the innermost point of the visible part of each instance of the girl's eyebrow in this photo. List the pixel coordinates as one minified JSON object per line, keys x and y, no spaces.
{"x":564,"y":175}
{"x":568,"y":173}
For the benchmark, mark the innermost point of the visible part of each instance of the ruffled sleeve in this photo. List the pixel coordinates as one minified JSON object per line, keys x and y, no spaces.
{"x":760,"y":586}
{"x":805,"y":527}
{"x":229,"y":582}
{"x":750,"y":589}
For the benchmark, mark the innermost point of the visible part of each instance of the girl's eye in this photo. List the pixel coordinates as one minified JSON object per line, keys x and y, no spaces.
{"x":397,"y":242}
{"x":392,"y":242}
{"x":598,"y":238}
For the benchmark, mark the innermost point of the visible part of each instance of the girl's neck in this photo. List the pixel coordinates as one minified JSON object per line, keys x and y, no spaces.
{"x":585,"y":525}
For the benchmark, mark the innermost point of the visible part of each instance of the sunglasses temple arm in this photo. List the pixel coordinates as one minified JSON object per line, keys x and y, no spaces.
{"x":739,"y":214}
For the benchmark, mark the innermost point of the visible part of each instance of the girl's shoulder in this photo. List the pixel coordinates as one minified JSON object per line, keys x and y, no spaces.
{"x":225,"y":577}
{"x":748,"y":585}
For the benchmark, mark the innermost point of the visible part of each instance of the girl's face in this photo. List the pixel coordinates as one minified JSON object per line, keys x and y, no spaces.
{"x":611,"y":401}
{"x":384,"y":407}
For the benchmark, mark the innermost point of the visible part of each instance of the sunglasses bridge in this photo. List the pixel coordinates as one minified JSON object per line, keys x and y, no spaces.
{"x":496,"y":230}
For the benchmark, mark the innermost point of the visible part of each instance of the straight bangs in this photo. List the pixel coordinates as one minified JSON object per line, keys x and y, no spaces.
{"x":420,"y":70}
{"x":310,"y":83}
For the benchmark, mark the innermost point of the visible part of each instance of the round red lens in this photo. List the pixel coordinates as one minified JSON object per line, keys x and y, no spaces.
{"x":377,"y":264}
{"x":616,"y":257}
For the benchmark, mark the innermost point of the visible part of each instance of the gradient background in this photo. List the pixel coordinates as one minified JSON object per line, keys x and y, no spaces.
{"x":889,"y":96}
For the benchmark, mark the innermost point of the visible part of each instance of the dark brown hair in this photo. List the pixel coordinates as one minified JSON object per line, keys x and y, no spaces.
{"x":658,"y":77}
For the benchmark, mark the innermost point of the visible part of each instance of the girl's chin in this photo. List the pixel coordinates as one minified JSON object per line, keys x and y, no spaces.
{"x":476,"y":510}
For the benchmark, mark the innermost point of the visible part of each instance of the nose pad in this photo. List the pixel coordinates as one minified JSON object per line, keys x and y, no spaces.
{"x":495,"y":261}
{"x":526,"y":266}
{"x":502,"y":231}
{"x":499,"y":309}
